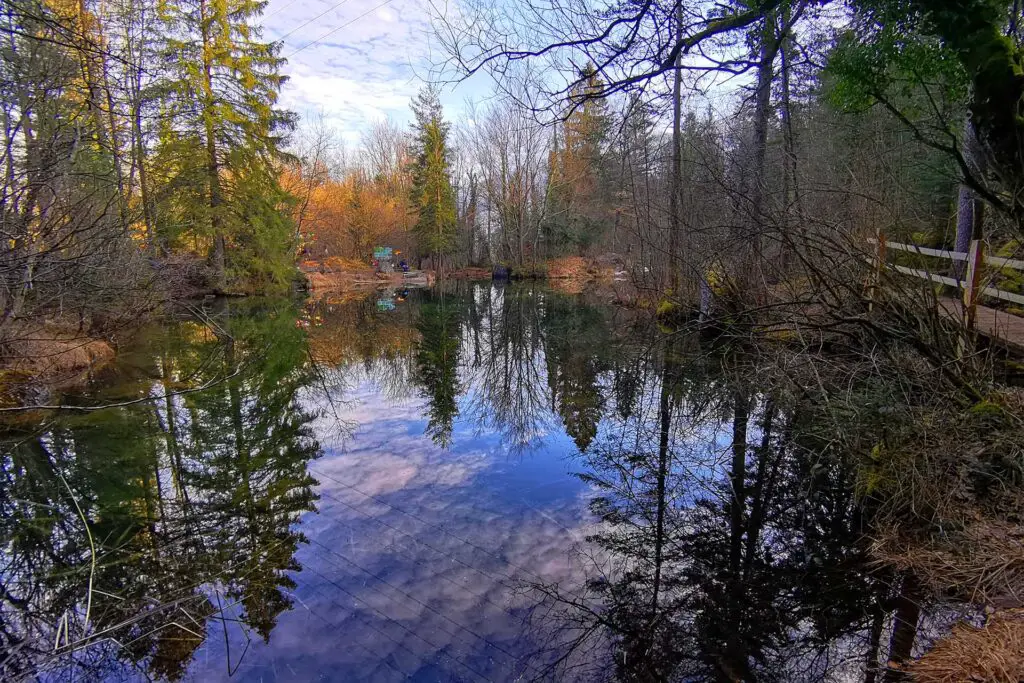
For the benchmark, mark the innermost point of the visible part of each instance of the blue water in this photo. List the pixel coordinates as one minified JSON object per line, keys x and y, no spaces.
{"x":470,"y":483}
{"x":418,"y":557}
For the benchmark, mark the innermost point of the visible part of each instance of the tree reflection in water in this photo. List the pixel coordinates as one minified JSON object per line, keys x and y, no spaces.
{"x":730,"y":539}
{"x":190,"y":501}
{"x":724,"y":533}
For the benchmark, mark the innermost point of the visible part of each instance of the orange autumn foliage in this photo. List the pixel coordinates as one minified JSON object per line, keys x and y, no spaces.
{"x":348,"y":217}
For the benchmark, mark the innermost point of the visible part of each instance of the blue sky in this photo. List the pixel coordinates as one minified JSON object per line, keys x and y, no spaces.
{"x":361,"y":61}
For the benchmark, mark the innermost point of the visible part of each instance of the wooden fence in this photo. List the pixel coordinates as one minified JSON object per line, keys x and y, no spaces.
{"x":972,"y":283}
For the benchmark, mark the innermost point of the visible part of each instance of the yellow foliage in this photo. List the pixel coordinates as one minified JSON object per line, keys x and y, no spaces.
{"x":348,"y":217}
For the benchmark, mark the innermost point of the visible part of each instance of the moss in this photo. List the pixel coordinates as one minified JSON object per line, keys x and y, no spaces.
{"x":988,"y":414}
{"x":667,"y":309}
{"x":1014,"y":366}
{"x":923,"y":239}
{"x":783,"y":335}
{"x":986,"y":408}
{"x":871,"y":476}
{"x":1009,"y":249}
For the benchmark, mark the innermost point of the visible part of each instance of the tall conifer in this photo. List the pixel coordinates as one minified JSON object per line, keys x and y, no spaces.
{"x":433,"y":197}
{"x":224,"y":125}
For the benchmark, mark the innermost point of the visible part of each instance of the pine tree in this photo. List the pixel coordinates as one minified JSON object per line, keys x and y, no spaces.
{"x":432,"y":195}
{"x":579,"y":181}
{"x":223,"y":100}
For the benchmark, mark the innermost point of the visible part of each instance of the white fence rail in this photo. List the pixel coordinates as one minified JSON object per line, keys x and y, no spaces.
{"x":971,"y":284}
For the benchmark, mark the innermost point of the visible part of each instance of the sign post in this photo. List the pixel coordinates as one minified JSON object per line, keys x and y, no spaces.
{"x":382,"y":255}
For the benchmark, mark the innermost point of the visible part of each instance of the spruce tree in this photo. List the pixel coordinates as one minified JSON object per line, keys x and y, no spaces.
{"x":225,"y":126}
{"x":433,"y":197}
{"x":579,"y":191}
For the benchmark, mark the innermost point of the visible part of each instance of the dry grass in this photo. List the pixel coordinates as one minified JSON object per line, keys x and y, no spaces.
{"x":579,"y":268}
{"x":575,"y":267}
{"x":47,"y":355}
{"x":50,"y":353}
{"x":993,"y":653}
{"x":471,"y":273}
{"x":568,"y":285}
{"x":338,"y":264}
{"x":983,"y":562}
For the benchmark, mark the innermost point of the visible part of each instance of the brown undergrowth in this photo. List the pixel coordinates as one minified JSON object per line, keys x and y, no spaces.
{"x":946,"y":480}
{"x":993,"y":653}
{"x":49,"y":355}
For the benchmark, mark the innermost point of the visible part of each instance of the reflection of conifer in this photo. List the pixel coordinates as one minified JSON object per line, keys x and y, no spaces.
{"x":181,"y":497}
{"x":252,"y":448}
{"x":577,"y":340}
{"x":437,"y":366}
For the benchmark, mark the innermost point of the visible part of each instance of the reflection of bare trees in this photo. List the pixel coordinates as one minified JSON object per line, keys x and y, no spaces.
{"x":518,"y":360}
{"x":729,"y":546}
{"x":535,"y":358}
{"x":506,"y":363}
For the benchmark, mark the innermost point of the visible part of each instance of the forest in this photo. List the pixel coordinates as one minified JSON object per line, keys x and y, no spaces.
{"x":702,"y":146}
{"x":797,"y":197}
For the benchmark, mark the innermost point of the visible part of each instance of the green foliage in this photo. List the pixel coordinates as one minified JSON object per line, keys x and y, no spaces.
{"x":219,"y":147}
{"x":929,"y":59}
{"x":433,"y":197}
{"x":886,"y":55}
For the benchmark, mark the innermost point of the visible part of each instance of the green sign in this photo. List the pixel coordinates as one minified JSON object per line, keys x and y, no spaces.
{"x":382,"y":252}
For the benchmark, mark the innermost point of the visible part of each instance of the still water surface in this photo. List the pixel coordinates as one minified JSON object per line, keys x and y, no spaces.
{"x":470,"y":484}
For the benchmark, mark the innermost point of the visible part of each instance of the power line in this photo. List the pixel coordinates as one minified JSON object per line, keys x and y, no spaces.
{"x":280,"y":9}
{"x":307,"y":23}
{"x":335,"y":30}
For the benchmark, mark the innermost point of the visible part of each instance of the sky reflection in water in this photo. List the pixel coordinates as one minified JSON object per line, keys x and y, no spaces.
{"x":475,"y":484}
{"x":421,"y":554}
{"x":418,"y":554}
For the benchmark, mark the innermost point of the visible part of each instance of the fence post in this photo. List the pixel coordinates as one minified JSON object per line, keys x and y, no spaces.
{"x":878,"y":266}
{"x":975,"y":258}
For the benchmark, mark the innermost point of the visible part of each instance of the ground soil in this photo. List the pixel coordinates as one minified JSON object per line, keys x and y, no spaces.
{"x":339,"y":275}
{"x":49,"y":356}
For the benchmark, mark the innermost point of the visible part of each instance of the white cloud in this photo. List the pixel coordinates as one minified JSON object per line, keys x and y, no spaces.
{"x":359,"y":62}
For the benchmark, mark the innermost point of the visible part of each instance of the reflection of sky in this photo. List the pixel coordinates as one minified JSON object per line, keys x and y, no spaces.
{"x":416,"y":554}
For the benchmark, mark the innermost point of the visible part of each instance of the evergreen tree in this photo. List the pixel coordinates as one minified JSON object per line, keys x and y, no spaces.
{"x":437,"y":367}
{"x":222,"y":99}
{"x":433,"y":197}
{"x":579,"y":180}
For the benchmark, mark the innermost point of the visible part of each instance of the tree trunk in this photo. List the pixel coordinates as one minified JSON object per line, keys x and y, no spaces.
{"x":904,"y":630}
{"x":676,"y":173}
{"x":759,"y":145}
{"x":212,"y":163}
{"x":737,"y":477}
{"x":968,"y":207}
{"x":665,"y":421}
{"x":874,"y":645}
{"x":794,"y":205}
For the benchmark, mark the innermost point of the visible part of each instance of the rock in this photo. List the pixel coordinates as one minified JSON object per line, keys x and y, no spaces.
{"x":501,"y":273}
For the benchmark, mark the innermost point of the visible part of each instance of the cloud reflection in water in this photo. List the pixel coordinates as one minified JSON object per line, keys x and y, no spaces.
{"x":418,"y":557}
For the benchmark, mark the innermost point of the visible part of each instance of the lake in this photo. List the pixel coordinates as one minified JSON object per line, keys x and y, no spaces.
{"x":469,"y":483}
